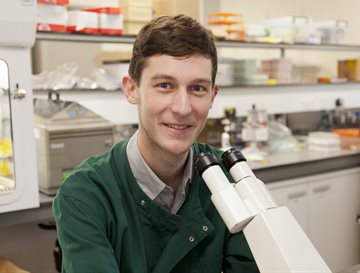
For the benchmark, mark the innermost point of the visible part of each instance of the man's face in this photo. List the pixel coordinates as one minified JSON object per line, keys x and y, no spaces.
{"x":174,"y":98}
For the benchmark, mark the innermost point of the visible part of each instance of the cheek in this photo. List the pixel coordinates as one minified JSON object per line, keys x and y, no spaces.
{"x":150,"y":106}
{"x":202,"y":107}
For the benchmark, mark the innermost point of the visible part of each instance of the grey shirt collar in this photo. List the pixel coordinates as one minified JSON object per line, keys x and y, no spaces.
{"x":151,"y":184}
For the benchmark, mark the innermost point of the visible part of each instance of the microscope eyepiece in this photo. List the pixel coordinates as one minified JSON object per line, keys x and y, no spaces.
{"x":204,"y":161}
{"x":231,"y":157}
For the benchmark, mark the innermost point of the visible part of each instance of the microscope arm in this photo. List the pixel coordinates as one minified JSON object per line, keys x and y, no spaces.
{"x":276,"y":240}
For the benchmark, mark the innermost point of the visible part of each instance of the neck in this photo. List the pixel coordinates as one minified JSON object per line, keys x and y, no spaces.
{"x":168,"y":167}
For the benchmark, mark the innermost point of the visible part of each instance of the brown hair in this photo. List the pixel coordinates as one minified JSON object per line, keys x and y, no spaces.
{"x":178,"y":36}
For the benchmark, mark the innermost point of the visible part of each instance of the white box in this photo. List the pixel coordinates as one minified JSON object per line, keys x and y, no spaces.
{"x":110,"y":20}
{"x":82,"y":21}
{"x":51,"y":17}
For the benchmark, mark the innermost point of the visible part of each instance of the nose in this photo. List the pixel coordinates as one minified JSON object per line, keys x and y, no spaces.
{"x":181,"y":102}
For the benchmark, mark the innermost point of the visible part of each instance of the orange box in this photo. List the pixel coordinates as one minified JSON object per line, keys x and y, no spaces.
{"x":349,"y":138}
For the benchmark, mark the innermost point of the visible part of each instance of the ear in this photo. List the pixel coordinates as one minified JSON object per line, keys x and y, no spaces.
{"x":129,"y":87}
{"x":214,"y":93}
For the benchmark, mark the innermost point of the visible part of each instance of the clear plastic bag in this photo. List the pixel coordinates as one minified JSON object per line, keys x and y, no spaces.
{"x":104,"y":80}
{"x":62,"y":77}
{"x":281,"y":138}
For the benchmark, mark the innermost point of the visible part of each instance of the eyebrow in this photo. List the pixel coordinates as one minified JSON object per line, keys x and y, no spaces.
{"x":168,"y":77}
{"x":162,"y":76}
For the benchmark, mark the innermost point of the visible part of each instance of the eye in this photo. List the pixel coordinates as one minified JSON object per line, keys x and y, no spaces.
{"x":164,"y":85}
{"x":198,"y":88}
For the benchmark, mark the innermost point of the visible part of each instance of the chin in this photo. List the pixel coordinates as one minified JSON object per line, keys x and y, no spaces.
{"x":178,"y":148}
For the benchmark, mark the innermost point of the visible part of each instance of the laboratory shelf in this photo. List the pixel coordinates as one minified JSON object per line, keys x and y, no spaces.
{"x":80,"y":37}
{"x":125,"y":39}
{"x":280,"y":98}
{"x":297,"y":46}
{"x":239,"y":88}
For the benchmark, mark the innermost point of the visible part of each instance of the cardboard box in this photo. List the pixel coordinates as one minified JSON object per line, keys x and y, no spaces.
{"x":105,"y":56}
{"x":134,"y":13}
{"x":349,"y":69}
{"x":136,"y":3}
{"x":133,"y":27}
{"x":175,"y":7}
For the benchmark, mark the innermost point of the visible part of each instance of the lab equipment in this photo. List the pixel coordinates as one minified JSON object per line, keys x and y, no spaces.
{"x":275,"y":238}
{"x":229,"y":135}
{"x":66,"y":133}
{"x":255,"y":130}
{"x":18,"y":182}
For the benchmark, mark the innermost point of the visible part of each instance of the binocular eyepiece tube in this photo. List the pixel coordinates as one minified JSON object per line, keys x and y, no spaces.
{"x":247,"y":205}
{"x":237,"y":203}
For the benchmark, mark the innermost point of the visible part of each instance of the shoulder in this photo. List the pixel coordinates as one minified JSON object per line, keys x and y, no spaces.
{"x":97,"y":186}
{"x":96,"y":172}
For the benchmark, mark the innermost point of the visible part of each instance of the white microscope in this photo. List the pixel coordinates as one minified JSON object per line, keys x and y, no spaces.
{"x":275,"y":238}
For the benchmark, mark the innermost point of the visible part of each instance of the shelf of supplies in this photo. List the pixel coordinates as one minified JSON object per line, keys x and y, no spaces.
{"x":291,"y":85}
{"x":298,"y":46}
{"x":76,"y":90}
{"x":81,"y":37}
{"x":238,"y":87}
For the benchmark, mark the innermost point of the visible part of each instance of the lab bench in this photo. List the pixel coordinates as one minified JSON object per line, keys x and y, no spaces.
{"x":277,"y":167}
{"x":283,"y":173}
{"x":282,"y":166}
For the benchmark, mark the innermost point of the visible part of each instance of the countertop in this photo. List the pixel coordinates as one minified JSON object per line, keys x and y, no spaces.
{"x":281,"y":166}
{"x":277,"y":167}
{"x":288,"y":158}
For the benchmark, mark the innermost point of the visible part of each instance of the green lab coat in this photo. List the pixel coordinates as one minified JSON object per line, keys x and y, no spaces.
{"x":106,"y":223}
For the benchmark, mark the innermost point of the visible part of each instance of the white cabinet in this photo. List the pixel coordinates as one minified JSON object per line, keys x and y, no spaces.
{"x":295,"y":197}
{"x":18,"y":176}
{"x":326,"y":206}
{"x":334,"y":205}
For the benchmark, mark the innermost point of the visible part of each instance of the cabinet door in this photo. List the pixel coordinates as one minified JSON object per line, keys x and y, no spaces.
{"x":18,"y":176}
{"x":334,"y":204}
{"x":295,"y":197}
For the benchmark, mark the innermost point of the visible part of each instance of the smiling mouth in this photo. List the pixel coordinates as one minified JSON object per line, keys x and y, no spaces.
{"x":178,"y":127}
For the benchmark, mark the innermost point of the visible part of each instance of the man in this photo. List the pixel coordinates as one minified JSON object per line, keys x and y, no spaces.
{"x":141,"y":207}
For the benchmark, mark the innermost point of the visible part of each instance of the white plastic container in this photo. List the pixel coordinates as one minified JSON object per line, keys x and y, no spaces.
{"x":332,"y":31}
{"x":285,"y":29}
{"x":225,"y":74}
{"x":82,"y":21}
{"x":323,"y":142}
